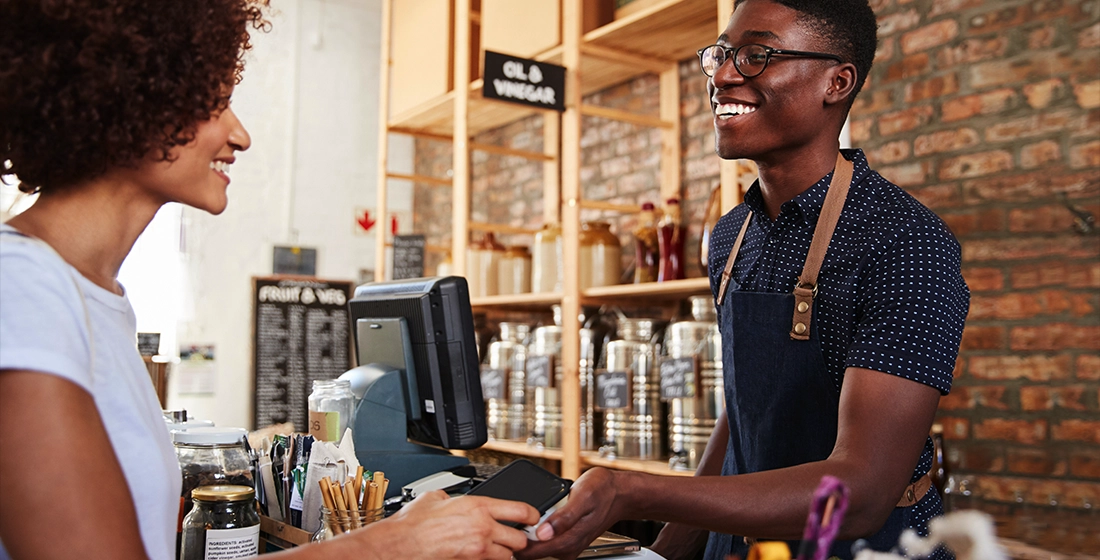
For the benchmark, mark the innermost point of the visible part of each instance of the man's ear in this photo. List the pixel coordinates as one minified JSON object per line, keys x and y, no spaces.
{"x":841,"y":84}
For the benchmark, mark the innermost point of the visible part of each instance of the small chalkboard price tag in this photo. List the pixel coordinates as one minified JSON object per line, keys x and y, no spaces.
{"x":492,"y":383}
{"x":677,"y":378}
{"x":612,"y":389}
{"x":408,"y":256}
{"x":540,"y":371}
{"x":148,"y":343}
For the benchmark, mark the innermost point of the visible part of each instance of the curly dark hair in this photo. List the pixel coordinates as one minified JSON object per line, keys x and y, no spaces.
{"x":88,"y":85}
{"x":847,"y":27}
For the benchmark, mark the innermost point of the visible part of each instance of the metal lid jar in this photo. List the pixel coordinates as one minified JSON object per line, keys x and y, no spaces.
{"x":506,"y":417}
{"x":637,"y":429}
{"x":223,"y":523}
{"x":692,"y":418}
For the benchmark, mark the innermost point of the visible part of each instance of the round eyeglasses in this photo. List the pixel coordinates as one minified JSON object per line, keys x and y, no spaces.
{"x":749,"y":60}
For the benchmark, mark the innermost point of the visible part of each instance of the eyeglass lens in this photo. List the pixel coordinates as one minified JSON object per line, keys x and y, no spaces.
{"x":749,"y":60}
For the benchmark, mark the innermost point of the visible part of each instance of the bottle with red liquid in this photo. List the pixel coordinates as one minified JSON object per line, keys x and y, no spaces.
{"x":670,"y":240}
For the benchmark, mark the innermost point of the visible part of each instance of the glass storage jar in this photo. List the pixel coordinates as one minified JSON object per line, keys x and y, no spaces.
{"x":331,"y":405}
{"x":211,"y":456}
{"x":223,"y":524}
{"x":341,"y":521}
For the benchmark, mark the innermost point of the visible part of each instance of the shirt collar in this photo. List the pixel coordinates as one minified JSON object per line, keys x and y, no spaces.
{"x":807,"y":205}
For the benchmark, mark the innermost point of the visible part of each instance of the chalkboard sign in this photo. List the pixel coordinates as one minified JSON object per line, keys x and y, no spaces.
{"x":677,"y":378}
{"x":540,"y":371}
{"x":492,"y":383}
{"x":148,"y":343}
{"x":408,"y":256}
{"x":299,"y":334}
{"x":523,"y":81}
{"x":612,"y":389}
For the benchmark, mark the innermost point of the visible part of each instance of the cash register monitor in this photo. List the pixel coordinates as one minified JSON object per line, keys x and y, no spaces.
{"x":440,"y":380}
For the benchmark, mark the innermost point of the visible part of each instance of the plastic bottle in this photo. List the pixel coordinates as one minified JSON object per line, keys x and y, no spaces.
{"x":670,"y":239}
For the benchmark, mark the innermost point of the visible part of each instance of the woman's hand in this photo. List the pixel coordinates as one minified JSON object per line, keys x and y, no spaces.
{"x":591,"y":509}
{"x":434,"y":526}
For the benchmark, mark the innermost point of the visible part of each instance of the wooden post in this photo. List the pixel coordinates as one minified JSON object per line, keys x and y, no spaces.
{"x":572,"y":11}
{"x":461,"y":148}
{"x":383,"y":144}
{"x":729,"y":170}
{"x":670,"y":137}
{"x":551,"y":170}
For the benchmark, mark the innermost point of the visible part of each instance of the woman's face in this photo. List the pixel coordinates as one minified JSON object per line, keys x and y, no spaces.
{"x":197,"y":173}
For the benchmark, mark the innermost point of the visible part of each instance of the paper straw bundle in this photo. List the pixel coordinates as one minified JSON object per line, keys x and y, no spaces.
{"x":354,"y":503}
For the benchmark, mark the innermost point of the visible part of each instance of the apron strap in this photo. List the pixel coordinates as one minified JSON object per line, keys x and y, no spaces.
{"x":728,"y":271}
{"x":806,"y":288}
{"x":915,"y":491}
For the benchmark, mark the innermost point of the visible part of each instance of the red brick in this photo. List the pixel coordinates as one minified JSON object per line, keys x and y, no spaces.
{"x":1084,"y":463}
{"x":1088,"y":367}
{"x":1069,"y":397}
{"x":974,"y":221}
{"x":982,"y":338}
{"x":861,"y":130}
{"x":1073,"y":275}
{"x":971,"y":51}
{"x":1035,"y":490}
{"x":987,"y":103}
{"x":977,"y":457}
{"x":1040,"y":462}
{"x":955,"y":428}
{"x":1021,"y":431}
{"x":1089,"y":37}
{"x":934,"y":196}
{"x":940,"y":7}
{"x":929,"y":36}
{"x":998,"y":19}
{"x":875,"y":101}
{"x":957,"y":399}
{"x":891,"y":152}
{"x":1029,"y":67}
{"x":1033,"y":399}
{"x":969,"y":398}
{"x":907,"y":174}
{"x":1085,"y":156}
{"x":885,"y":50}
{"x":945,"y":141}
{"x":1041,"y":38}
{"x":1076,"y":430}
{"x":980,"y":279}
{"x":1010,"y":306}
{"x":931,"y":88}
{"x":975,"y":165}
{"x":1082,"y":305}
{"x":1040,"y":94}
{"x":1040,"y":124}
{"x":901,"y":121}
{"x":898,"y":21}
{"x":908,"y":67}
{"x":1033,"y":368}
{"x":1018,"y":248}
{"x":1055,"y":336}
{"x":1046,"y":219}
{"x":1040,"y":154}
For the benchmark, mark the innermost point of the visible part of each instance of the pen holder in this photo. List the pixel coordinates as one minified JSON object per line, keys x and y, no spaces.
{"x":338,"y":522}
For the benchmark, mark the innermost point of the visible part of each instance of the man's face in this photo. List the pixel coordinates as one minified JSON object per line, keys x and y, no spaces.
{"x":772,"y":115}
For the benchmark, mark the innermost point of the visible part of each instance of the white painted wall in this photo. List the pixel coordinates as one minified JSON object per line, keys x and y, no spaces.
{"x":310,"y":101}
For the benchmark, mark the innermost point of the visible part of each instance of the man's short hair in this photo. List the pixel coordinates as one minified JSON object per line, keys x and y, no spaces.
{"x":847,"y":28}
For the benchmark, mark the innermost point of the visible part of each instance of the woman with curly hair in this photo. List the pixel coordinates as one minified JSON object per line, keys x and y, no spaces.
{"x":108,"y":110}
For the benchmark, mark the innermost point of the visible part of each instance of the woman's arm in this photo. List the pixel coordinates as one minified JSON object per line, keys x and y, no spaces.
{"x":884,"y":421}
{"x":62,"y":490}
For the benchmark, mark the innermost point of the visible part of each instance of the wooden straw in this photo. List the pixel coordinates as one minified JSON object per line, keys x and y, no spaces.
{"x":341,"y":507}
{"x":353,"y":513}
{"x":385,"y":488}
{"x":328,"y":497}
{"x":358,"y":485}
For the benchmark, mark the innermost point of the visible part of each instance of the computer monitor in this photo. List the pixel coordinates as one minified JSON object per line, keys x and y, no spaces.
{"x":418,"y":375}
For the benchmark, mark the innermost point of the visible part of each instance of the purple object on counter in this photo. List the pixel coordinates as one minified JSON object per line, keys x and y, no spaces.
{"x":818,"y":538}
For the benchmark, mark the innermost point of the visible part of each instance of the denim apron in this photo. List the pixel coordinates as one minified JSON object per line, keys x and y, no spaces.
{"x":782,"y":407}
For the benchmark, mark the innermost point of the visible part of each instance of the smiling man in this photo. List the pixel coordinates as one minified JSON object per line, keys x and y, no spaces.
{"x":840,"y":303}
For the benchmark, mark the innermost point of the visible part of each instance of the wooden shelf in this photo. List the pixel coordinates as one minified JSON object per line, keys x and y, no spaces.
{"x":682,"y":26}
{"x":593,"y":459}
{"x":536,"y":302}
{"x":662,"y":291}
{"x":520,"y":448}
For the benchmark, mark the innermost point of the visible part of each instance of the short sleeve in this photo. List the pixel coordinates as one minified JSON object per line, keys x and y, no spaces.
{"x":913,"y":306}
{"x":43,"y":321}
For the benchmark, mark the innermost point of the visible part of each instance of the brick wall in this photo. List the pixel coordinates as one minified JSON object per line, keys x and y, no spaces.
{"x":988,"y":111}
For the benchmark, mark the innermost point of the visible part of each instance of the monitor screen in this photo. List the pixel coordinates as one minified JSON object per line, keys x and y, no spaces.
{"x":445,"y":407}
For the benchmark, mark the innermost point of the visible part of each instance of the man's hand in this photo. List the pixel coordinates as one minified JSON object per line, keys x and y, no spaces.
{"x":591,"y":509}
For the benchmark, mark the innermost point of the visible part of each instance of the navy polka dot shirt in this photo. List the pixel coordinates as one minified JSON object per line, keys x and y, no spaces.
{"x":891,"y":297}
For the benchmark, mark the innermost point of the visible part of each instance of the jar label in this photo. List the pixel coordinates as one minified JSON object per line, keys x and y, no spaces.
{"x":492,"y":383}
{"x":677,"y":378}
{"x":228,"y":544}
{"x":324,"y":426}
{"x":612,"y":390}
{"x":539,"y":371}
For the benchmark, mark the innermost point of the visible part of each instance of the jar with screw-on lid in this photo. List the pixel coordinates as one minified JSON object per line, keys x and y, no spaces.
{"x":331,"y":405}
{"x":211,"y":456}
{"x":223,"y":524}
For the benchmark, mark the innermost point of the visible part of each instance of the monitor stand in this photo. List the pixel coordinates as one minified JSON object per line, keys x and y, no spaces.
{"x":380,"y":432}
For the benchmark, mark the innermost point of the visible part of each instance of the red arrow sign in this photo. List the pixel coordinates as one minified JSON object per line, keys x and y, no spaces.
{"x":365,"y":221}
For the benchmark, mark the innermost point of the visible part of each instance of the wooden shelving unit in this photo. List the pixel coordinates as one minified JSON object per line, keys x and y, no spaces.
{"x":651,"y":40}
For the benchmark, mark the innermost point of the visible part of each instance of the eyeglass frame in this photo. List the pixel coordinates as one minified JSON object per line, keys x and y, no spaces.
{"x":731,"y":54}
